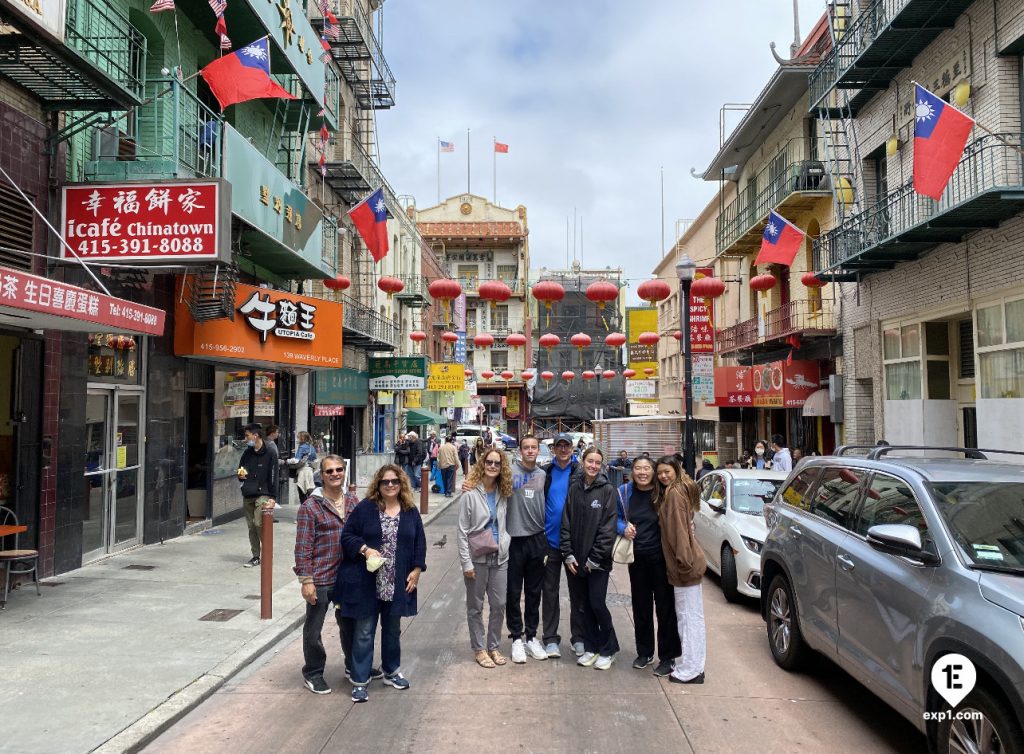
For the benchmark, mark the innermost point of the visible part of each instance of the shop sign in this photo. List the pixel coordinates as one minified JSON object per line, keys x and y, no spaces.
{"x":48,"y":15}
{"x":459,"y":315}
{"x":398,"y":373}
{"x":512,"y":405}
{"x":113,"y":358}
{"x":640,"y":319}
{"x":292,"y":33}
{"x":641,"y":389}
{"x":413,"y":399}
{"x":270,"y":327}
{"x":460,"y":349}
{"x":23,"y":292}
{"x":704,"y":377}
{"x":733,"y":386}
{"x":320,"y":409}
{"x":386,"y":398}
{"x":782,"y":385}
{"x":642,"y":409}
{"x":445,"y":377}
{"x":702,"y":331}
{"x":342,"y":387}
{"x":172,"y":222}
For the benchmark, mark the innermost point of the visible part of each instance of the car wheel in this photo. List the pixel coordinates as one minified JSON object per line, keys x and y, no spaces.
{"x":729,"y":583}
{"x":995,"y":730}
{"x":784,"y":637}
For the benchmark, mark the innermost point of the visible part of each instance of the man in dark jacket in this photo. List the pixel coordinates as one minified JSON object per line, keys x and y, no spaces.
{"x":416,"y":455}
{"x":257,"y":471}
{"x":556,"y":488}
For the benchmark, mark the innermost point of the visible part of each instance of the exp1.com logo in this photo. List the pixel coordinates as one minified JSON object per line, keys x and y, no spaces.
{"x":953,"y":677}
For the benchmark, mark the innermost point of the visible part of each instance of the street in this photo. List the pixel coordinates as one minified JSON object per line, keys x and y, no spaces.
{"x":747,"y":703}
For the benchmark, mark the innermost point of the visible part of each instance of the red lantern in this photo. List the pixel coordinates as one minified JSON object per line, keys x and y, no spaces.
{"x":678,"y":335}
{"x":608,"y":374}
{"x":338,"y":283}
{"x":507,"y":375}
{"x":391,"y":285}
{"x":653,"y":291}
{"x":707,"y":288}
{"x":548,"y":292}
{"x":568,"y":375}
{"x":764,"y":282}
{"x":549,"y":340}
{"x":614,"y":339}
{"x":494,"y":291}
{"x":468,"y":373}
{"x":449,"y":337}
{"x":588,"y":375}
{"x":547,"y":376}
{"x":601,"y":292}
{"x":515,"y":340}
{"x":527,"y":375}
{"x":445,"y":290}
{"x":810,"y":280}
{"x":581,"y":340}
{"x":483,"y":340}
{"x":417,"y":336}
{"x":648,"y":371}
{"x":487,"y":374}
{"x":628,"y":373}
{"x":648,"y":338}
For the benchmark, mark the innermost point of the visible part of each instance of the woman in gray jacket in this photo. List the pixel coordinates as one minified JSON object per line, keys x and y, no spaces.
{"x":485,"y":569}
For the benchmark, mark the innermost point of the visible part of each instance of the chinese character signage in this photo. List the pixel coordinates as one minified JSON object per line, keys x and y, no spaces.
{"x":445,"y":377}
{"x":512,"y":405}
{"x":702,"y":331}
{"x":398,"y":373}
{"x":460,"y":349}
{"x":292,"y":33}
{"x":328,"y":410}
{"x":640,"y":319}
{"x":704,"y":377}
{"x":774,"y":385}
{"x":641,"y":389}
{"x":270,"y":327}
{"x":170,"y":222}
{"x":342,"y":387}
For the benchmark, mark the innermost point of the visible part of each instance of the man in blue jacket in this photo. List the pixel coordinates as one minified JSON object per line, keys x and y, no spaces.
{"x":556,"y":488}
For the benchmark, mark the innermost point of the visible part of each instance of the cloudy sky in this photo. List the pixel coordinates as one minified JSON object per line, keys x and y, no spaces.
{"x":592,"y":97}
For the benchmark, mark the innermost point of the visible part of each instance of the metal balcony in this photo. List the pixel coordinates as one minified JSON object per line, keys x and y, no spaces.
{"x":359,"y":55}
{"x":471,"y":286}
{"x":986,"y":188}
{"x":789,"y":183}
{"x":882,"y":40}
{"x":415,"y":293}
{"x":804,"y":318}
{"x":366,"y":329}
{"x":737,"y":337}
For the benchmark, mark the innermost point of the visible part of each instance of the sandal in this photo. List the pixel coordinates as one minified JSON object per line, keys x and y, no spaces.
{"x":483,"y":660}
{"x":498,"y":657}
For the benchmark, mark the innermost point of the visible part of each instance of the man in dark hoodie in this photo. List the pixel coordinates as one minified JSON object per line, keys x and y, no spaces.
{"x":257,"y":472}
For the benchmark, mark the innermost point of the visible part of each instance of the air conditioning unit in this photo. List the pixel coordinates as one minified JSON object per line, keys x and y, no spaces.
{"x":811,"y":176}
{"x":111,"y":143}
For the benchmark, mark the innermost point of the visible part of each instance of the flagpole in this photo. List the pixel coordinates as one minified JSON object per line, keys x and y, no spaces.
{"x":438,"y":169}
{"x":467,"y":163}
{"x":494,"y":154}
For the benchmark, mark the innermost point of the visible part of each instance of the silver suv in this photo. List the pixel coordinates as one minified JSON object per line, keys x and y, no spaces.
{"x":885,"y":564}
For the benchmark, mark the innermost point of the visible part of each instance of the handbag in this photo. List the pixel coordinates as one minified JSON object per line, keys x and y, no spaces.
{"x":622,"y":550}
{"x":482,"y":543}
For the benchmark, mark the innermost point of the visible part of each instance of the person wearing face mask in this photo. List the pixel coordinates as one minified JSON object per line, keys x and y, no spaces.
{"x":257,"y":473}
{"x":761,"y":459}
{"x":650,"y":592}
{"x":587,"y":536}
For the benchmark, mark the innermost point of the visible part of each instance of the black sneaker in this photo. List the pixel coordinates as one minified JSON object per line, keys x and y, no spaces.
{"x":251,"y":562}
{"x":375,"y":674}
{"x":317,"y":685}
{"x":664,"y":668}
{"x":642,"y":661}
{"x":695,"y":679}
{"x":360,"y":694}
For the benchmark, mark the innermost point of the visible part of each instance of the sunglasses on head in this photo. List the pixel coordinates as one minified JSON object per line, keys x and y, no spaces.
{"x":390,"y":482}
{"x":333,"y":471}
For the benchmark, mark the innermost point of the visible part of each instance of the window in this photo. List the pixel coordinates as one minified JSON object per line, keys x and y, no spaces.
{"x":903,"y":381}
{"x":508,"y":274}
{"x":836,"y":496}
{"x":1000,"y":347}
{"x":889,"y":501}
{"x":715,"y":491}
{"x":16,"y":226}
{"x":469,"y":275}
{"x":901,"y":351}
{"x":796,"y":492}
{"x":499,"y":318}
{"x":499,"y":361}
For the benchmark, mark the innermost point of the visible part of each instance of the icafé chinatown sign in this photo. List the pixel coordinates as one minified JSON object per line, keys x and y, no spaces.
{"x":169,"y":222}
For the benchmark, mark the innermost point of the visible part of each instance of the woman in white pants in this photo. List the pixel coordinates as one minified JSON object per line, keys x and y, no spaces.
{"x":483,"y":550}
{"x":678,"y":500}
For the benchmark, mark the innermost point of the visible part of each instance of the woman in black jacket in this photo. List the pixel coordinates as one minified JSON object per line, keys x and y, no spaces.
{"x":587,"y":536}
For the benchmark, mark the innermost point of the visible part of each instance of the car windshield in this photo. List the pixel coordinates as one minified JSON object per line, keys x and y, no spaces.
{"x":750,"y":495}
{"x":986,"y":520}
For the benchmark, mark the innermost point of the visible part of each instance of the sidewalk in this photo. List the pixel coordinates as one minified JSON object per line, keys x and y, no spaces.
{"x":115,"y":650}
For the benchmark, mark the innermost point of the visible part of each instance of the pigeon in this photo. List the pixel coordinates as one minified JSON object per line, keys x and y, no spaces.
{"x":442,"y":541}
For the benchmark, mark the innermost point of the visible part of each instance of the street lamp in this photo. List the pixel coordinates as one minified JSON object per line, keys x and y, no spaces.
{"x":686,"y":268}
{"x":597,"y":371}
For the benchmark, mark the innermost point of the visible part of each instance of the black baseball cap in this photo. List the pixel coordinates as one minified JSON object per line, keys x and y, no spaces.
{"x":563,"y":437}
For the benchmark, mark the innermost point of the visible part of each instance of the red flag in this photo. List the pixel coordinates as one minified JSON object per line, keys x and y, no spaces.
{"x":243,"y":75}
{"x":221,"y":28}
{"x":940,"y":135}
{"x":500,"y":148}
{"x":780,"y":241}
{"x":370,"y":217}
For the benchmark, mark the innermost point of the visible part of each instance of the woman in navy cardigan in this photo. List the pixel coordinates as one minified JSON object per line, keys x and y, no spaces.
{"x":387,"y":526}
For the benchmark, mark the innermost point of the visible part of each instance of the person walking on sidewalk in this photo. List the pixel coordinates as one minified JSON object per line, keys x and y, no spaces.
{"x":677,"y":502}
{"x":526,"y":552}
{"x":464,"y":457}
{"x":257,"y":472}
{"x":650,"y":591}
{"x":556,"y":488}
{"x":483,"y":551}
{"x":448,"y":460}
{"x":587,"y":536}
{"x":416,"y":455}
{"x":385,"y":551}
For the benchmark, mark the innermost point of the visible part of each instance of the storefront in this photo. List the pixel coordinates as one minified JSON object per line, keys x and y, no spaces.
{"x":341,"y":397}
{"x":392,"y":377}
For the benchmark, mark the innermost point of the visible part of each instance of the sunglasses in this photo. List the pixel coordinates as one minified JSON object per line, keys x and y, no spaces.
{"x":496,"y":464}
{"x":333,"y":471}
{"x":390,"y":482}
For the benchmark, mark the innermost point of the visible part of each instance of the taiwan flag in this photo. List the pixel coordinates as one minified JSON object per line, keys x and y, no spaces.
{"x":780,"y":241}
{"x":940,"y":135}
{"x":243,"y":75}
{"x":370,"y":217}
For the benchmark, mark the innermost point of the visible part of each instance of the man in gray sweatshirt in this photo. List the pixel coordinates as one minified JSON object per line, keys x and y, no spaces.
{"x":527,"y":552}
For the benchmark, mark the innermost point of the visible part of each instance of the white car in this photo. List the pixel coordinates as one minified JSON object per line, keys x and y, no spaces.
{"x":730,"y":526}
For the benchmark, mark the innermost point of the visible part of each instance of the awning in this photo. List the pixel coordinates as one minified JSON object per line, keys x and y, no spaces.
{"x":39,"y":303}
{"x":418,"y":417}
{"x":818,"y":403}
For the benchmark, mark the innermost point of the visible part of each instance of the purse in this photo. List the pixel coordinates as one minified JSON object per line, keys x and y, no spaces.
{"x":622,"y":550}
{"x":482,"y":543}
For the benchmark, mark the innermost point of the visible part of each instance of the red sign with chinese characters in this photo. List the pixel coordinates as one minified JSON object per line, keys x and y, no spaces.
{"x":702,"y":312}
{"x":782,"y":385}
{"x":321,"y":409}
{"x":31,"y":293}
{"x":160,"y":223}
{"x":734,"y":386}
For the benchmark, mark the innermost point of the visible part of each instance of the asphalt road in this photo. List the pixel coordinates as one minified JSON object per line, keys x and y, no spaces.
{"x":747,"y":704}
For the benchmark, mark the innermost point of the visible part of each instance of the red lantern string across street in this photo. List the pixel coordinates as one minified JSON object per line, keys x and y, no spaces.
{"x":445,"y":290}
{"x":527,"y":375}
{"x":608,"y":374}
{"x":483,"y":340}
{"x":648,"y":338}
{"x":417,"y":336}
{"x":547,"y":376}
{"x":653,"y":291}
{"x":614,"y":339}
{"x":449,"y":337}
{"x":548,"y":292}
{"x":390,"y":285}
{"x":487,"y":374}
{"x":763,"y":282}
{"x":338,"y":283}
{"x":648,"y":371}
{"x":581,"y":340}
{"x":810,"y":280}
{"x":468,"y":373}
{"x":707,"y":288}
{"x":494,"y":291}
{"x":629,"y":373}
{"x":601,"y":292}
{"x":678,"y":335}
{"x":507,"y":375}
{"x":588,"y":375}
{"x":515,"y":340}
{"x":568,"y":375}
{"x":549,"y":341}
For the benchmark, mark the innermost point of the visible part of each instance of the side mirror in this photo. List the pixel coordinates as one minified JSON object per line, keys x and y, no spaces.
{"x":900,"y":539}
{"x":719,"y":508}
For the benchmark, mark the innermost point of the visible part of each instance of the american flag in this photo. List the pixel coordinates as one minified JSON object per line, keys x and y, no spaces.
{"x":225,"y":43}
{"x":219,"y":6}
{"x":447,"y":146}
{"x":322,"y":5}
{"x":332,"y":30}
{"x":160,"y":5}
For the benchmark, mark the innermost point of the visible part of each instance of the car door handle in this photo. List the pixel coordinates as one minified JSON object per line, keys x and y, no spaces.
{"x":845,"y":563}
{"x":796,"y":531}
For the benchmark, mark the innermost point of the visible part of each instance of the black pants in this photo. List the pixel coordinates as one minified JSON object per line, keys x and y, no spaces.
{"x":652,"y":595}
{"x":588,"y":593}
{"x":552,"y":580}
{"x":448,"y":477}
{"x":312,"y":644}
{"x":525,"y":573}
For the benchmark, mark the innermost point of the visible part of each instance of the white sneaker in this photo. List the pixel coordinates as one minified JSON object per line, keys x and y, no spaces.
{"x":552,"y":650}
{"x":587,"y":659}
{"x":518,"y":652}
{"x":578,"y":648}
{"x":533,"y":646}
{"x":604,"y":662}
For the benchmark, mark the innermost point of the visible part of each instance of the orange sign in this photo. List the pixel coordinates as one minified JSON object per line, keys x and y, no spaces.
{"x":269,"y":328}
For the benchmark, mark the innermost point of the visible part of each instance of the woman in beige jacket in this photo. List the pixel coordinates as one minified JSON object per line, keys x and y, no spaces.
{"x":677,"y":501}
{"x":483,"y":508}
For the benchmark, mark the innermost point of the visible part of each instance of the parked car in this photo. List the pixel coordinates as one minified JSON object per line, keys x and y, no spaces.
{"x":730,"y":526}
{"x":470,"y":432}
{"x":886,"y":564}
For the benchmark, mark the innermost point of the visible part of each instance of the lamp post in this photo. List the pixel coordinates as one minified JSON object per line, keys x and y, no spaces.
{"x":597,"y":371}
{"x":686,"y":268}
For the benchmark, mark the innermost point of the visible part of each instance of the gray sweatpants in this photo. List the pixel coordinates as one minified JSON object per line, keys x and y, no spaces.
{"x":492,"y":582}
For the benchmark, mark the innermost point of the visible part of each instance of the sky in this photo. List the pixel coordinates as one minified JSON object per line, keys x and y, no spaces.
{"x":593,"y":98}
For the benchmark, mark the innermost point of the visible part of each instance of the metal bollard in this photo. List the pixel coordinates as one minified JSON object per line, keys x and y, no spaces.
{"x":424,"y":489}
{"x":267,"y":564}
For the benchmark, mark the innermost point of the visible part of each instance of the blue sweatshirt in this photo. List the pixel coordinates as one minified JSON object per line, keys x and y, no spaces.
{"x":554,"y":502}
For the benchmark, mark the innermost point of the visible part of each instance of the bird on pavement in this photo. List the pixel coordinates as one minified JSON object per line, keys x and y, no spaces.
{"x":442,"y":541}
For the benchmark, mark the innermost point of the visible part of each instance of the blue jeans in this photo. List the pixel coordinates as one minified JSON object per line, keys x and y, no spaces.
{"x":414,"y":475}
{"x":390,"y":643}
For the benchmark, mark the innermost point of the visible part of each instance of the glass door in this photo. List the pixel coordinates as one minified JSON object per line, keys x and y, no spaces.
{"x":126,"y":499}
{"x":97,"y":474}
